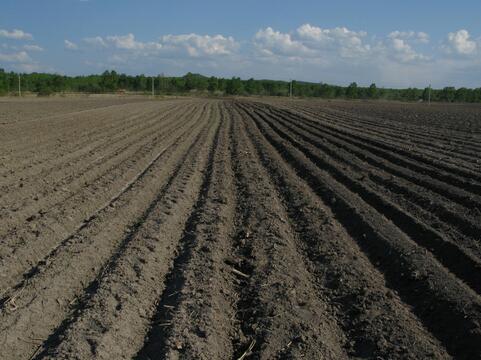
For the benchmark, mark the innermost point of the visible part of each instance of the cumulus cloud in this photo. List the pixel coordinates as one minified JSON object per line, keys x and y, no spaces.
{"x":128,"y":42}
{"x":308,"y":52}
{"x":70,"y":45}
{"x":19,"y":57}
{"x":400,"y":45}
{"x":271,"y":42}
{"x":190,"y":45}
{"x":313,"y":43}
{"x":419,"y":37}
{"x":33,"y":48}
{"x":16,"y":34}
{"x":460,"y":42}
{"x":346,"y":42}
{"x":95,"y":41}
{"x":200,"y":45}
{"x":404,"y":51}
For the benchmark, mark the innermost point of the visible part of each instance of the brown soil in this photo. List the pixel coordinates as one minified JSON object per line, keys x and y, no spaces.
{"x":237,"y":229}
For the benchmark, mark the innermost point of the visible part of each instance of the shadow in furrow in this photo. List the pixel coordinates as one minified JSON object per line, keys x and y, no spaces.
{"x":449,"y":254}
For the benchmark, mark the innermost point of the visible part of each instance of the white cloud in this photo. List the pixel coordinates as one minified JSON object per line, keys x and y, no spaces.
{"x":340,"y":54}
{"x":346,"y":42}
{"x":125,"y":43}
{"x":307,"y":31}
{"x":118,"y":59}
{"x":271,"y":42}
{"x":19,"y":57}
{"x":70,"y":45}
{"x":400,"y":46}
{"x":419,"y":37}
{"x":190,"y":45}
{"x":29,"y":47}
{"x":16,"y":34}
{"x":460,"y":42}
{"x":128,"y":42}
{"x":95,"y":41}
{"x":33,"y":48}
{"x":200,"y":45}
{"x":31,"y":67}
{"x":313,"y":43}
{"x":405,"y":52}
{"x":308,"y":52}
{"x":423,"y":37}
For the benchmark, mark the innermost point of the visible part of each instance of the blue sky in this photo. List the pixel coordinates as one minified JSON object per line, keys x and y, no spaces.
{"x":408,"y":43}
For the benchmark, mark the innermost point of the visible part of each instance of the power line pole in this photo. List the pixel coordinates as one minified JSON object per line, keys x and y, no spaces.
{"x":429,"y":95}
{"x":161,"y":82}
{"x":19,"y":86}
{"x":153,"y":92}
{"x":290,"y":89}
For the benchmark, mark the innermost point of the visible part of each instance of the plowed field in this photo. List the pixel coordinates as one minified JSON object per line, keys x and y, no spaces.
{"x":239,"y":229}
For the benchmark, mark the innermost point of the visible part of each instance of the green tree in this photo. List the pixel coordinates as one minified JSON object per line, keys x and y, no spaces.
{"x":189,"y":81}
{"x":372,"y":92}
{"x":252,"y":87}
{"x":476,"y":95}
{"x":410,"y":94}
{"x":109,"y":81}
{"x":57,"y":83}
{"x":463,"y":95}
{"x":326,"y":91}
{"x":448,"y":94}
{"x":352,"y":91}
{"x":43,"y":88}
{"x":3,"y":82}
{"x":425,"y":95}
{"x":213,"y":84}
{"x":234,"y":86}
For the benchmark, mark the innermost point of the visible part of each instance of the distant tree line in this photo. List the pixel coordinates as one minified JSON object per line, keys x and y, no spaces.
{"x":111,"y":81}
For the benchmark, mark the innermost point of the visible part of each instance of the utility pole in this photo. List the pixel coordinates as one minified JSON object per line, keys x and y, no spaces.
{"x":161,"y":83}
{"x":19,"y":86}
{"x":153,"y":92}
{"x":290,"y":88}
{"x":429,"y":95}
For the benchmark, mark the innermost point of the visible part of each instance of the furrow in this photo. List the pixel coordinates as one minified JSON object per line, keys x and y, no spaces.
{"x":421,"y":145}
{"x":461,"y":263}
{"x":409,"y":269}
{"x":131,"y":279}
{"x":442,"y":143}
{"x":44,"y":301}
{"x":38,"y":197}
{"x":376,"y":322}
{"x":192,"y":318}
{"x":52,"y":230}
{"x":364,"y":173}
{"x":85,"y":152}
{"x":83,"y":135}
{"x":463,"y":139}
{"x":280,"y":308}
{"x":458,"y":195}
{"x":407,"y":160}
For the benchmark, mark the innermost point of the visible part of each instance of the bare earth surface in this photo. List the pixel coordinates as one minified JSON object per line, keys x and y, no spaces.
{"x":239,"y":229}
